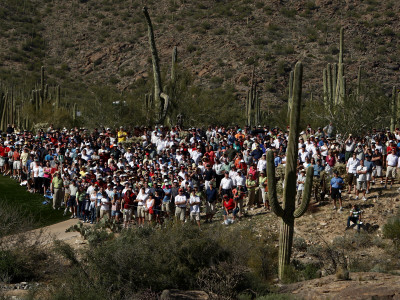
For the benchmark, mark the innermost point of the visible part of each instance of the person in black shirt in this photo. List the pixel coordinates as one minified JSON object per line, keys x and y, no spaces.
{"x":377,"y":168}
{"x":157,"y":205}
{"x":209,"y":174}
{"x":211,"y":199}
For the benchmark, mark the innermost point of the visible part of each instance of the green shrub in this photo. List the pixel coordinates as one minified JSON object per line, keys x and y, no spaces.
{"x":12,"y":269}
{"x":391,"y":230}
{"x":191,"y":48}
{"x":179,"y":27}
{"x":259,"y":5}
{"x":216,"y":81}
{"x":220,"y":31}
{"x":172,"y":257}
{"x":388,"y":31}
{"x":289,"y":13}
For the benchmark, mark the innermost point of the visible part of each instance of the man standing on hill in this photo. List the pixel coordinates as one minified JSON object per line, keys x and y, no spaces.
{"x":351,"y":169}
{"x":56,"y":188}
{"x":391,"y":165}
{"x":361,"y":179}
{"x":337,"y":184}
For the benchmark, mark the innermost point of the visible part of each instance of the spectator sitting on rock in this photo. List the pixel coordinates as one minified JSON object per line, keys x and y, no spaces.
{"x":355,"y":217}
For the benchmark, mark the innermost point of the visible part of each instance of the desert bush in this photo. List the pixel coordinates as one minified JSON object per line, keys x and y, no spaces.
{"x":172,"y":257}
{"x":331,"y":257}
{"x":299,"y":244}
{"x":353,"y":241}
{"x":391,"y":230}
{"x":13,"y":268}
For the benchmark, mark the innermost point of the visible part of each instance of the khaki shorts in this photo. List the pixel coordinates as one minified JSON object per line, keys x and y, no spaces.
{"x":140,"y":211}
{"x":127,"y":214}
{"x":104,"y":212}
{"x":148,"y":216}
{"x":180,"y":213}
{"x":166,"y":206}
{"x":368,"y":176}
{"x":210,"y":208}
{"x":17,"y":165}
{"x":391,"y":172}
{"x":195,"y":216}
{"x":361,"y":185}
{"x":377,"y":172}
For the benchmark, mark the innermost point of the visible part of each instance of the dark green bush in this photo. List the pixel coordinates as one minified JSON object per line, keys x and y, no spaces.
{"x":391,"y":230}
{"x":13,"y":268}
{"x":173,"y":257}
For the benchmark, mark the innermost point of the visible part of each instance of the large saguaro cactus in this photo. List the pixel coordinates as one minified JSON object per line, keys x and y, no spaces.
{"x":288,"y":212}
{"x":161,"y":100}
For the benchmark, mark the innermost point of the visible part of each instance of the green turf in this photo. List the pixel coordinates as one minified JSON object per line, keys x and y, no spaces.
{"x":31,"y":204}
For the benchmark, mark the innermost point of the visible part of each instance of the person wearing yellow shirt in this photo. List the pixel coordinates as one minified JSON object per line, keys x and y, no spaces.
{"x":121,"y":135}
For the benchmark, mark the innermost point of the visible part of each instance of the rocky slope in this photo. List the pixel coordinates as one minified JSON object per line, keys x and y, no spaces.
{"x":219,"y":42}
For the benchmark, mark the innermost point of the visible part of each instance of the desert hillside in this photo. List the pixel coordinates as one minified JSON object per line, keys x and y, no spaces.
{"x":104,"y":41}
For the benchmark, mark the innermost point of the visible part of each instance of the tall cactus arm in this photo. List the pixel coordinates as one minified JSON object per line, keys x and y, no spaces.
{"x":306,"y":194}
{"x":165,"y":98}
{"x":273,"y":199}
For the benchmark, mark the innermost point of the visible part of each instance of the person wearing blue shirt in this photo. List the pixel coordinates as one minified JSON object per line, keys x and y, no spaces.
{"x":337,"y":184}
{"x":369,"y":164}
{"x":257,"y":153}
{"x":49,"y":156}
{"x":166,"y":202}
{"x":318,"y":168}
{"x":277,"y":159}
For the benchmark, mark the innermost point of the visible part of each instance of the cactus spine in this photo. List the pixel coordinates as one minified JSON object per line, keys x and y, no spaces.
{"x":340,"y":85}
{"x":173,"y":66}
{"x":58,"y":97}
{"x":287,"y":212}
{"x":393,"y":114}
{"x":253,"y":104}
{"x":359,"y":83}
{"x":74,"y":111}
{"x":398,"y":106}
{"x":290,"y":98}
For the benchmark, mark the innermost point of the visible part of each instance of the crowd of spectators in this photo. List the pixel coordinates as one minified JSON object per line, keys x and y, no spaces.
{"x":149,"y":174}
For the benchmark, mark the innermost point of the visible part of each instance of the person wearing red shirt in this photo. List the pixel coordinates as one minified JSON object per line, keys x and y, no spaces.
{"x":211,"y":156}
{"x":391,"y":146}
{"x":230,"y":206}
{"x":127,"y":204}
{"x":6,"y":170}
{"x":2,"y":157}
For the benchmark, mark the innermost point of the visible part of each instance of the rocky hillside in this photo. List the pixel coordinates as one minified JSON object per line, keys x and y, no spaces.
{"x":89,"y":41}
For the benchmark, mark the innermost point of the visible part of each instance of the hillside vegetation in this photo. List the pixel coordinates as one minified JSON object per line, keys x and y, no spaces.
{"x":88,"y":43}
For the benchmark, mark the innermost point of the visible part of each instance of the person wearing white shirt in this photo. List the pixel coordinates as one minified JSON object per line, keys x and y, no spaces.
{"x":140,"y":202}
{"x":195,"y":155}
{"x":351,"y":169}
{"x":194,"y":202}
{"x":262,"y":164}
{"x":105,"y":205}
{"x":392,"y":162}
{"x":233,"y":174}
{"x":226,"y":185}
{"x":240,"y":179}
{"x":361,"y":179}
{"x":303,"y":153}
{"x":180,"y":203}
{"x":301,"y":179}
